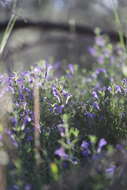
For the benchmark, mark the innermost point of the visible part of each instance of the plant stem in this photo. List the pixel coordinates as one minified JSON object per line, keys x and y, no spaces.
{"x":37,"y":123}
{"x":7,"y":33}
{"x":120,"y":32}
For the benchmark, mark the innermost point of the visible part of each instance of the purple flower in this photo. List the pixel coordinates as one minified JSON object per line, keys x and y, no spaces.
{"x":20,"y":82}
{"x":100,"y":70}
{"x":14,"y":121}
{"x":100,"y":41}
{"x":100,"y":59}
{"x":85,"y":144}
{"x":58,"y":108}
{"x":28,"y":130}
{"x":107,"y":52}
{"x":124,"y":81}
{"x":119,"y":147}
{"x":61,"y":130}
{"x":21,"y":96}
{"x":61,"y":153}
{"x":56,"y":93}
{"x":12,"y":137}
{"x":102,"y":143}
{"x":111,"y":170}
{"x":96,"y":105}
{"x":14,"y":143}
{"x":28,"y":187}
{"x":65,"y":164}
{"x":92,"y":51}
{"x":37,"y":70}
{"x":15,"y":187}
{"x":86,"y":152}
{"x":66,"y":95}
{"x":1,"y":137}
{"x":29,"y":138}
{"x":118,"y":89}
{"x":109,"y":89}
{"x":27,"y":90}
{"x":94,"y":93}
{"x":90,"y":115}
{"x":7,"y":131}
{"x":71,"y":68}
{"x":27,"y":119}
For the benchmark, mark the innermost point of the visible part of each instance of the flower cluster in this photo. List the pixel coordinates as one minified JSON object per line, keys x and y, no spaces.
{"x":82,"y":116}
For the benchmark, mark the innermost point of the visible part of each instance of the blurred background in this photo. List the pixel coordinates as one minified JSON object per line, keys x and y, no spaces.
{"x":32,"y":43}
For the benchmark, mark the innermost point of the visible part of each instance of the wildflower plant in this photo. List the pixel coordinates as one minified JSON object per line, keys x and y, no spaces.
{"x":82,"y":117}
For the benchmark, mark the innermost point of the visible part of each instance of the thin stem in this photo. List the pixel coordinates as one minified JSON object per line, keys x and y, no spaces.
{"x":37,"y":123}
{"x":7,"y":33}
{"x":120,"y":32}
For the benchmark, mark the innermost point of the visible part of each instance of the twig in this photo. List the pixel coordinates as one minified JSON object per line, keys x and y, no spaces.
{"x":7,"y":33}
{"x":37,"y":123}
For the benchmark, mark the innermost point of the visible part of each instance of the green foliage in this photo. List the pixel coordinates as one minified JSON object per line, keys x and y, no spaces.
{"x":80,"y":113}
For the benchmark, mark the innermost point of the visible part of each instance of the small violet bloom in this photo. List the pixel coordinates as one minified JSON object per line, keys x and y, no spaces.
{"x":119,"y":147}
{"x":86,"y":152}
{"x":1,"y":137}
{"x":94,"y":93}
{"x":61,"y":130}
{"x":61,"y":153}
{"x":27,"y":119}
{"x":100,"y":59}
{"x":100,"y":70}
{"x":14,"y":121}
{"x":110,"y":171}
{"x":85,"y":148}
{"x":58,"y":108}
{"x":85,"y":144}
{"x":66,"y":95}
{"x":29,"y":138}
{"x":102,"y":143}
{"x":71,"y":68}
{"x":15,"y":187}
{"x":92,"y":51}
{"x":118,"y":89}
{"x":90,"y":115}
{"x":109,"y":89}
{"x":96,"y":105}
{"x":28,"y":187}
{"x":56,"y":93}
{"x":100,"y":41}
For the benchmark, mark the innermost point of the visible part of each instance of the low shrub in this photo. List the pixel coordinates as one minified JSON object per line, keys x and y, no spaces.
{"x":82,"y":117}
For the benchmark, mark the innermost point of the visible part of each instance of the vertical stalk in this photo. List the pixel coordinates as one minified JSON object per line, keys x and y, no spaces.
{"x":120,"y":32}
{"x":37,"y":146}
{"x":118,"y":23}
{"x":37,"y":123}
{"x":7,"y":33}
